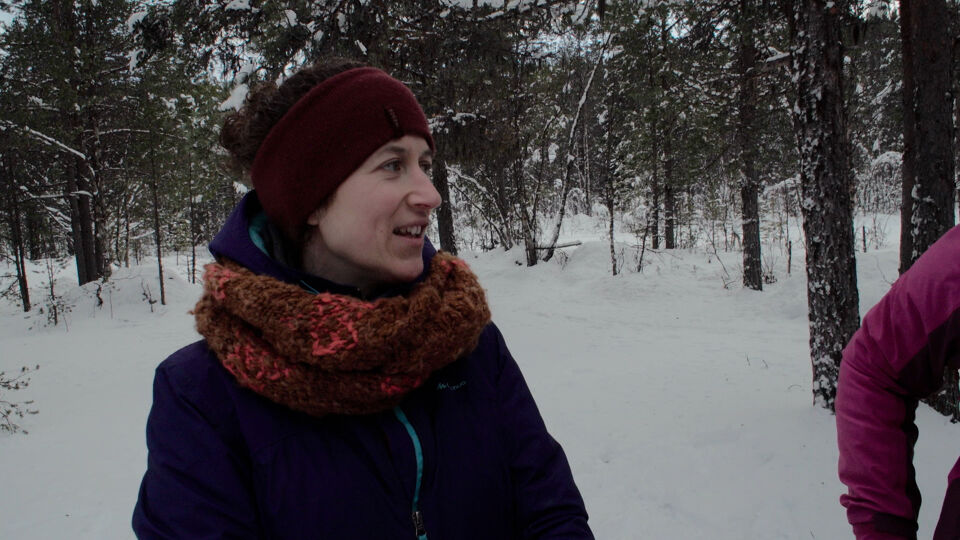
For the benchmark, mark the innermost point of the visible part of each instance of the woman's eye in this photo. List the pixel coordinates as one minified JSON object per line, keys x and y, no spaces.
{"x":427,"y":167}
{"x":392,"y":166}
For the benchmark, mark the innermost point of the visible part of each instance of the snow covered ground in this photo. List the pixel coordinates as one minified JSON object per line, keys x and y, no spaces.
{"x":684,"y":407}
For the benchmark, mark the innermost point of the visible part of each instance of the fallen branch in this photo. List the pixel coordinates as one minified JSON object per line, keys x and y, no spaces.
{"x":558,"y":246}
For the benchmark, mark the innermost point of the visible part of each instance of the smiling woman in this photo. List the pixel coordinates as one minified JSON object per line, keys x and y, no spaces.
{"x":372,"y":231}
{"x":350,"y":383}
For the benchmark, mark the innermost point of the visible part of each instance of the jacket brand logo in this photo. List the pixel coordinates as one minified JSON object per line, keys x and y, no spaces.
{"x":445,"y":386}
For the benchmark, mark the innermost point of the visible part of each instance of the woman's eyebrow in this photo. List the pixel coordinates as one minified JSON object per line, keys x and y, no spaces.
{"x":401,"y":151}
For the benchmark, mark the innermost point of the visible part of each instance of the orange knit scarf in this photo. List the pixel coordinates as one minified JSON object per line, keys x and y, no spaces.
{"x":335,"y":354}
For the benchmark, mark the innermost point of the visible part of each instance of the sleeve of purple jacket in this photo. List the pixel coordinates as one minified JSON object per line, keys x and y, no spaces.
{"x":898,"y":355}
{"x":194,"y":484}
{"x":549,"y":504}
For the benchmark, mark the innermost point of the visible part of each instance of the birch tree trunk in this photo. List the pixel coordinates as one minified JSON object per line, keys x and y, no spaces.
{"x":565,"y":189}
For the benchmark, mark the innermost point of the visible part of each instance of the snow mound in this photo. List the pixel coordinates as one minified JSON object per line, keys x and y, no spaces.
{"x":128,"y":294}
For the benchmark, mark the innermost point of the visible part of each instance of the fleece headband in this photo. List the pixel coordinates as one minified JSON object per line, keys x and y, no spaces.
{"x":325,"y":137}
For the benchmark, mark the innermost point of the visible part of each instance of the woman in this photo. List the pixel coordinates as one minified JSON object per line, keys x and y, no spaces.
{"x":900,"y":354}
{"x":350,"y":384}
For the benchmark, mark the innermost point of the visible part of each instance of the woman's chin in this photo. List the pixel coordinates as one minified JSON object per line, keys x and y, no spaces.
{"x":409,"y":272}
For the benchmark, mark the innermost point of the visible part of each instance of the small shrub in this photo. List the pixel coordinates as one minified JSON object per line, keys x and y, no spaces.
{"x":12,"y":410}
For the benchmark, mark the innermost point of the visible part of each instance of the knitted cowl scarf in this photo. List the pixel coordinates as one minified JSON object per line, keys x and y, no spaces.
{"x":327,"y":353}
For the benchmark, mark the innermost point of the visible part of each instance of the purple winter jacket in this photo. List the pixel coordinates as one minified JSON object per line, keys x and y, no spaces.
{"x":468,"y":450}
{"x":899,"y":355}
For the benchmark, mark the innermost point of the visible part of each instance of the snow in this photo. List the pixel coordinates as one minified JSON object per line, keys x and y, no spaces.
{"x":133,"y":58}
{"x":552,"y":152}
{"x":468,"y":4}
{"x":135,"y":18}
{"x":237,"y":95}
{"x":684,"y":407}
{"x":239,"y":5}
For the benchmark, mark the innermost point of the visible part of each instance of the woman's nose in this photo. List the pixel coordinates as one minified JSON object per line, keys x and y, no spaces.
{"x":424,"y":194}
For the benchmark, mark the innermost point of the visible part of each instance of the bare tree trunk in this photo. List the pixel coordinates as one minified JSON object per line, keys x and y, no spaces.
{"x":928,"y":43}
{"x":613,"y":253}
{"x":587,"y":180}
{"x":97,"y":202}
{"x":825,"y":178}
{"x":15,"y":222}
{"x":653,"y":221}
{"x":565,"y":190}
{"x":445,"y":228}
{"x":126,"y":233}
{"x":156,"y":228}
{"x":71,"y":190}
{"x":78,"y":187}
{"x":87,"y":236}
{"x":909,"y":138}
{"x":669,"y":215}
{"x":747,"y":140}
{"x":193,"y":222}
{"x":19,"y":254}
{"x":927,"y":60}
{"x":526,"y":209}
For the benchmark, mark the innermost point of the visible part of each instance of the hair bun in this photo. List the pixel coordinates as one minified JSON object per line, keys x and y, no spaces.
{"x":243,"y":131}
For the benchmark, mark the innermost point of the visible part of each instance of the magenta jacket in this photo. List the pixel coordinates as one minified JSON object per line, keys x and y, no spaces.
{"x":899,"y":355}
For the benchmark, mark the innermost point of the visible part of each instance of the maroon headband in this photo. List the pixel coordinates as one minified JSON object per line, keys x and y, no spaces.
{"x":326,"y":136}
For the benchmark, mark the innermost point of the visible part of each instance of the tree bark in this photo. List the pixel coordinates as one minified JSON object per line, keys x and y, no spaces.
{"x":653,"y":218}
{"x":19,"y":256}
{"x":747,"y":140}
{"x":83,"y":195}
{"x":526,"y":210}
{"x":80,"y":224}
{"x":826,"y":181}
{"x":928,"y":125}
{"x":157,"y":235}
{"x":441,"y":180}
{"x":928,"y":191}
{"x":15,"y":222}
{"x":610,"y":221}
{"x":565,"y":189}
{"x":909,"y":138}
{"x":78,"y":187}
{"x":669,"y":214}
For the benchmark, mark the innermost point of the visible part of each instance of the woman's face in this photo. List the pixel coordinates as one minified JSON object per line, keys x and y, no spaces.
{"x":371,"y":232}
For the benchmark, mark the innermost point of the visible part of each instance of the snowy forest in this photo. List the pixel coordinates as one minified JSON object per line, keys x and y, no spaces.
{"x":696,"y":122}
{"x":768,"y":138}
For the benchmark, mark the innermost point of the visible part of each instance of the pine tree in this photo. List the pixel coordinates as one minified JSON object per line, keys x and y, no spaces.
{"x":825,"y":176}
{"x":928,"y":159}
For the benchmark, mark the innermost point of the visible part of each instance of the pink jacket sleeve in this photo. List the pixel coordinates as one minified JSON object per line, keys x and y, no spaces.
{"x":898,"y":356}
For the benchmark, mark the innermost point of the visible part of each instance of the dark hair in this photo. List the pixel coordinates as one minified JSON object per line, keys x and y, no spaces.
{"x":244,"y":131}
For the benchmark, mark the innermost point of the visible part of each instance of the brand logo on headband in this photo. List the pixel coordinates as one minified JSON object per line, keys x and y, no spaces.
{"x":394,"y":121}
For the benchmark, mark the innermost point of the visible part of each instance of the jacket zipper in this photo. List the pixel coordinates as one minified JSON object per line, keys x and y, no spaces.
{"x":416,"y":515}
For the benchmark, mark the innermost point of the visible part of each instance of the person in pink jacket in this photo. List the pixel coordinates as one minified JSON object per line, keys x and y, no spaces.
{"x":898,"y":356}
